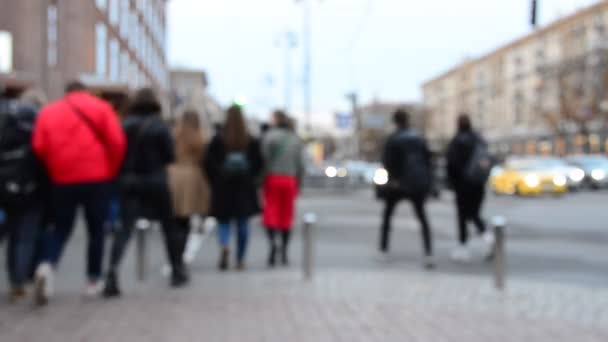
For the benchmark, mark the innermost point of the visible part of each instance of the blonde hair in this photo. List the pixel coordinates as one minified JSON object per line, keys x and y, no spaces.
{"x":189,"y":136}
{"x":33,"y":97}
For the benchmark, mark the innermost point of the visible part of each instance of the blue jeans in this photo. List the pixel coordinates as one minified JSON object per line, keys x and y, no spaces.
{"x":95,"y":199}
{"x":242,"y":236}
{"x":24,"y":227}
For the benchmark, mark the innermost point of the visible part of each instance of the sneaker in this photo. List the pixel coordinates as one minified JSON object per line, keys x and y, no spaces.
{"x":462,"y":254}
{"x":428,"y":262}
{"x":193,"y":245}
{"x":94,"y":289}
{"x":43,"y":284}
{"x":383,"y":257}
{"x":179,"y":277}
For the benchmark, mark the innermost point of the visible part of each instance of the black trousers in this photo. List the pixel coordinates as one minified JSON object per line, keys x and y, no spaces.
{"x":468,"y":203}
{"x":419,"y":209}
{"x":131,"y":210}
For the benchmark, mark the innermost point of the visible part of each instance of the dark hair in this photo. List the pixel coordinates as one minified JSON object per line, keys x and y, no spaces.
{"x":145,"y":102}
{"x":235,"y":132}
{"x":281,"y":119}
{"x":401,"y":118}
{"x":73,"y":86}
{"x":464,"y":123}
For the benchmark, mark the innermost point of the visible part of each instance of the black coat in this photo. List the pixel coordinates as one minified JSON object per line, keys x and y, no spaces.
{"x":229,"y":199}
{"x":150,"y":150}
{"x":460,"y":152}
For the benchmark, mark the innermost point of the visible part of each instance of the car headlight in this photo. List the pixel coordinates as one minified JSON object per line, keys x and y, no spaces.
{"x":532,"y":181}
{"x":577,"y":175}
{"x":331,"y":172}
{"x":381,"y":177}
{"x":598,"y":175}
{"x":342,"y":172}
{"x":560,"y":180}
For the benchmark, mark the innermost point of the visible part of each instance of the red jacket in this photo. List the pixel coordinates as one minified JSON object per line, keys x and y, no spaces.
{"x":70,"y":149}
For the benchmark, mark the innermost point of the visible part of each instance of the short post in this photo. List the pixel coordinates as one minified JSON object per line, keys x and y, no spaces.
{"x":499,"y":225}
{"x":308,"y":249}
{"x":142,"y":225}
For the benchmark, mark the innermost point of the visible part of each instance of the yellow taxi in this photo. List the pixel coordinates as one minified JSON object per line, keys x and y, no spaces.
{"x":527,"y":177}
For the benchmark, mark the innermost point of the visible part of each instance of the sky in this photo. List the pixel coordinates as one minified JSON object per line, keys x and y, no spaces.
{"x":381,"y":49}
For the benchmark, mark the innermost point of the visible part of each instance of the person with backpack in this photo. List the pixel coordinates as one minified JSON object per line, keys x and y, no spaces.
{"x":407,"y":161}
{"x":468,"y":167}
{"x":82,"y":145}
{"x":144,"y":187}
{"x":23,"y":189}
{"x":233,"y":164}
{"x":188,"y":183}
{"x":283,"y":157}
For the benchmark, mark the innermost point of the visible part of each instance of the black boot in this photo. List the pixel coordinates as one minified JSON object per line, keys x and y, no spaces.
{"x":179,"y":277}
{"x":111,"y":289}
{"x":273,"y":248}
{"x":285,"y":237}
{"x":224,"y":260}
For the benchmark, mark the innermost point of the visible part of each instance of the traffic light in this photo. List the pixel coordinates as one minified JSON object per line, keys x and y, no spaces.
{"x":533,"y":17}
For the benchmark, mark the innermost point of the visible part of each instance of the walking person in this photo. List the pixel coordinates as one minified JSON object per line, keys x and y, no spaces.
{"x":81,"y":144}
{"x":144,"y":186}
{"x":284,"y":168}
{"x":23,"y":190}
{"x":468,"y":166}
{"x":407,"y":160}
{"x":188,"y":183}
{"x":233,"y":164}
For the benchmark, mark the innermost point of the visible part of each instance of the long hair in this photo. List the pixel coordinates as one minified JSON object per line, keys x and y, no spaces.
{"x":145,"y":102}
{"x":236,"y":136}
{"x":34,"y":98}
{"x":189,"y":137}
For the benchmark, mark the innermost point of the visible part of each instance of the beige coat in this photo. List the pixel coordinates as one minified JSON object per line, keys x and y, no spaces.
{"x":189,"y":187}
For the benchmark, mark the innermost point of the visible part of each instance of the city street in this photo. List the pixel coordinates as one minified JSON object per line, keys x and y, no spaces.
{"x":557,"y":286}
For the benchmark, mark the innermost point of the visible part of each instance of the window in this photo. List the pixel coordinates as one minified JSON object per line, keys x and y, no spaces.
{"x":101,"y":4}
{"x":115,"y":11}
{"x":124,"y":66}
{"x":101,"y":38}
{"x":52,"y":35}
{"x":125,"y":17}
{"x":114,"y":60}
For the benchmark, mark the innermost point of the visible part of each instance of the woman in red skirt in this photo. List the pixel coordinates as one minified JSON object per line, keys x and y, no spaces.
{"x":283,"y":156}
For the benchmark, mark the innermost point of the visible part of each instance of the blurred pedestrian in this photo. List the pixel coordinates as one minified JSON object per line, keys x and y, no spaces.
{"x":144,"y":186}
{"x":468,"y":171}
{"x":23,"y":189}
{"x":81,"y":143}
{"x":407,"y":160}
{"x":284,"y":168}
{"x":188,"y":183}
{"x":233,"y":164}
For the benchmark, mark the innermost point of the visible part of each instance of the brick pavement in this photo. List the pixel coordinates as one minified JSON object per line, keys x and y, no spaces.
{"x":339,"y":305}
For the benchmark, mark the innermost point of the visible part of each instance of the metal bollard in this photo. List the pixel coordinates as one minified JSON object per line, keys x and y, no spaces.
{"x":499,"y":224}
{"x":308,"y":263}
{"x":141,"y":227}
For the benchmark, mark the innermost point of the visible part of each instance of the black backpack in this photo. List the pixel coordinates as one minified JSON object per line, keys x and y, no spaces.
{"x":416,"y":177}
{"x":19,"y":169}
{"x":236,"y":166}
{"x":477,"y":170}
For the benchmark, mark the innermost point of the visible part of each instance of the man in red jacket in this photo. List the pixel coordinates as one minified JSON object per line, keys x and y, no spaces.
{"x":82,"y":145}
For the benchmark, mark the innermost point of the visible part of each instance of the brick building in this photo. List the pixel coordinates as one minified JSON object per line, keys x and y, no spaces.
{"x":97,"y":41}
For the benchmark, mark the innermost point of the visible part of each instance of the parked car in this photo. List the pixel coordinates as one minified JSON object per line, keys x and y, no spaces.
{"x":528,"y":177}
{"x":575,"y":175}
{"x":595,"y":168}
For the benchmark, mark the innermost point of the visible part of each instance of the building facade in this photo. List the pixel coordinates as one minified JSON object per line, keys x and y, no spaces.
{"x":189,"y":91}
{"x":96,"y":41}
{"x":543,"y":93}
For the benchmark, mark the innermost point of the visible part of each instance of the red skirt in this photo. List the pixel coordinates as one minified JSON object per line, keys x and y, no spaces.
{"x":280,"y":194}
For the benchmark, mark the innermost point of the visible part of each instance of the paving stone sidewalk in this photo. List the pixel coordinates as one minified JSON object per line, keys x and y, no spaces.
{"x":340,"y":305}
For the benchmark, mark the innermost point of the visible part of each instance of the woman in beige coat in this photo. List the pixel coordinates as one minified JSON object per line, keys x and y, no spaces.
{"x":189,"y":187}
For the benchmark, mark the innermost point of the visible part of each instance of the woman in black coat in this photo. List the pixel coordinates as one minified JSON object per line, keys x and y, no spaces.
{"x":144,"y":186}
{"x":233,"y":165}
